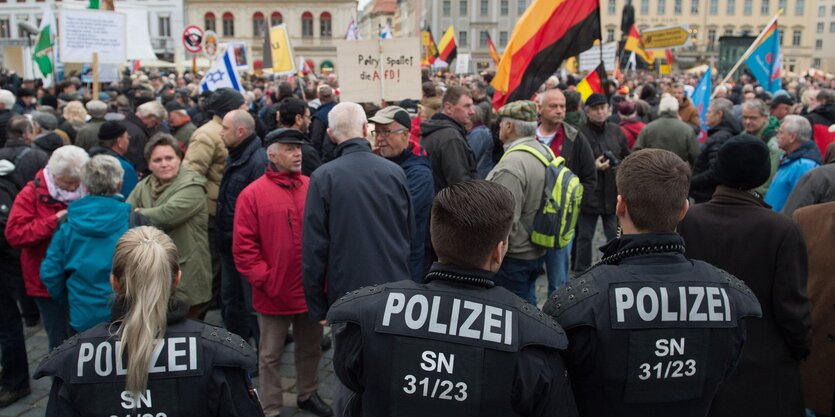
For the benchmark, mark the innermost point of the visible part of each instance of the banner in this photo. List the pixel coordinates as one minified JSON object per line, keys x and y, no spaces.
{"x":701,"y":100}
{"x":278,"y":54}
{"x":222,"y":74}
{"x":590,"y":58}
{"x":368,"y":75}
{"x":462,"y":64}
{"x":84,"y":32}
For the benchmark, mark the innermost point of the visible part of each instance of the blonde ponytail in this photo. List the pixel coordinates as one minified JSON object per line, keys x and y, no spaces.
{"x":145,"y":265}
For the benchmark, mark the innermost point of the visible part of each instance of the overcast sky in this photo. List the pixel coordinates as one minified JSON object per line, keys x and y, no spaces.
{"x":362,"y":4}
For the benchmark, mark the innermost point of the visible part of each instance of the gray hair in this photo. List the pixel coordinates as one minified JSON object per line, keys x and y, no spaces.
{"x":722,"y":105}
{"x":722,"y":89}
{"x":826,"y":96}
{"x":7,"y":98}
{"x":523,"y":128}
{"x":798,"y":126}
{"x":102,"y":175}
{"x":346,"y":121}
{"x":758,"y":105}
{"x":152,"y":108}
{"x":478,"y":115}
{"x":46,"y":121}
{"x":96,"y":108}
{"x":668,"y":104}
{"x":67,"y":161}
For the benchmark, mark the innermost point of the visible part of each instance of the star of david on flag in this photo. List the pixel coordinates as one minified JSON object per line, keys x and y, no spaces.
{"x":222,"y":74}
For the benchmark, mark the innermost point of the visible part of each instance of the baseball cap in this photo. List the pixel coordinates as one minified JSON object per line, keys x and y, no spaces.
{"x":392,"y":114}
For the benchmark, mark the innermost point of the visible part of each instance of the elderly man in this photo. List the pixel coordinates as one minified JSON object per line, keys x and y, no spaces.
{"x":267,"y":251}
{"x":87,"y":136}
{"x":801,"y":155}
{"x":180,"y":122}
{"x":754,"y":116}
{"x":524,"y":175}
{"x":246,"y":163}
{"x":686,"y":110}
{"x":445,"y":139}
{"x":566,"y":141}
{"x":391,"y":134}
{"x":141,"y":125}
{"x":113,"y":140}
{"x":670,"y":133}
{"x":721,"y":127}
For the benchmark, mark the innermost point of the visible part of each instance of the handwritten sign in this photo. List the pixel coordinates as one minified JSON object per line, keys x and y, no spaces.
{"x":374,"y":70}
{"x":86,"y":31}
{"x":591,"y":57}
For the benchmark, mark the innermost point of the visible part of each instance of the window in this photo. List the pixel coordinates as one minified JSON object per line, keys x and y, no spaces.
{"x":799,"y":7}
{"x":447,"y":7}
{"x":694,"y":7}
{"x":820,"y":27}
{"x":505,"y":7}
{"x":307,"y":25}
{"x":259,"y":24}
{"x":746,"y":31}
{"x":462,"y":38}
{"x":613,"y":6}
{"x":714,"y":7}
{"x":780,"y":37}
{"x":5,"y":27}
{"x":521,"y":7}
{"x":729,"y":32}
{"x":209,"y":21}
{"x":764,"y":8}
{"x":796,"y":35}
{"x":677,"y":7}
{"x":821,"y":11}
{"x":610,"y":35}
{"x":781,"y":4}
{"x":485,"y":7}
{"x":662,"y":7}
{"x":325,"y":23}
{"x":164,"y":26}
{"x":482,"y":39}
{"x":711,"y":39}
{"x":817,"y":63}
{"x":832,"y":12}
{"x":644,"y":6}
{"x":462,"y":7}
{"x":276,"y":19}
{"x":747,"y":7}
{"x":503,"y":38}
{"x":818,"y":43}
{"x":228,"y":25}
{"x":831,"y":27}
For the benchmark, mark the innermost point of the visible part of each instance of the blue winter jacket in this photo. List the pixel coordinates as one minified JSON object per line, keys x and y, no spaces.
{"x":77,"y":265}
{"x":418,"y":169}
{"x":791,"y":168}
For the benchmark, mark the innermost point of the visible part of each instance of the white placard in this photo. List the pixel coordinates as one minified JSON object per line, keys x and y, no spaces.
{"x":367,"y":75}
{"x":589,"y":59}
{"x":462,"y":64}
{"x":108,"y":73}
{"x":86,"y":31}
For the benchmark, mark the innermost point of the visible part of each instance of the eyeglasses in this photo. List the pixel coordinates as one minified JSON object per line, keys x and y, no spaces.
{"x":386,"y":133}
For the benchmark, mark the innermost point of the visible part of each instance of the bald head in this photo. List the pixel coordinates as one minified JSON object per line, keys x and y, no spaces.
{"x":237,"y":125}
{"x":551,"y":109}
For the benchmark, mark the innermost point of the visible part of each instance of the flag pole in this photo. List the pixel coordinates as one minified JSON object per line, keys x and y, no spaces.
{"x":750,"y":49}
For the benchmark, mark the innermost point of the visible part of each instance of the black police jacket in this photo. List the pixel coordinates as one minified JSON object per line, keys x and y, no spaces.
{"x":197,"y":370}
{"x":651,"y":333}
{"x":455,"y":346}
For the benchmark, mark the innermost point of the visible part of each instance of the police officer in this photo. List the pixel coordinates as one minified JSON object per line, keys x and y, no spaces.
{"x":150,"y":360}
{"x":651,"y":333}
{"x":456,"y":345}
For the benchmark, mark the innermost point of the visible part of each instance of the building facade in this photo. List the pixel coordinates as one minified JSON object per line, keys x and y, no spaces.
{"x":823,"y":56}
{"x":375,"y":16}
{"x":313,"y":25}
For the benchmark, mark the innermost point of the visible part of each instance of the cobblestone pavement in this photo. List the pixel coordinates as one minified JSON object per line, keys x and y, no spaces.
{"x":34,"y":405}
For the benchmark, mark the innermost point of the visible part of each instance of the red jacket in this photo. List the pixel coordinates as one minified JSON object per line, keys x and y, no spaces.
{"x":267,"y":241}
{"x":30,"y":227}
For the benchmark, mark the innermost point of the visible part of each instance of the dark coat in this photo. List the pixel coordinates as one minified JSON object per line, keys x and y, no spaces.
{"x":27,"y":165}
{"x":704,"y":179}
{"x":821,"y":118}
{"x":139,"y":135}
{"x":446,"y":142}
{"x":418,"y":171}
{"x":739,"y":233}
{"x":358,"y":226}
{"x":243,"y":166}
{"x":814,"y":187}
{"x":5,"y":115}
{"x":48,"y":142}
{"x":667,"y":132}
{"x":608,"y":137}
{"x":578,"y":158}
{"x":319,"y":131}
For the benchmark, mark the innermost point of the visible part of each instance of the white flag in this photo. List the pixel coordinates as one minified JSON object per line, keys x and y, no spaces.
{"x":353,"y":33}
{"x":385,"y":33}
{"x":632,"y":63}
{"x":222,"y":74}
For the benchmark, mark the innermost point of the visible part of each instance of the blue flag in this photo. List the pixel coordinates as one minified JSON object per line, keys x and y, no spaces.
{"x":222,"y":74}
{"x":701,"y":100}
{"x":765,"y":61}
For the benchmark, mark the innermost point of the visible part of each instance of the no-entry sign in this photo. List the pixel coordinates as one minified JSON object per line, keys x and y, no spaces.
{"x":193,"y":39}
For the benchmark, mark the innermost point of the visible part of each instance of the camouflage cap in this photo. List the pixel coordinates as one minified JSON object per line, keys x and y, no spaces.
{"x":524,"y":110}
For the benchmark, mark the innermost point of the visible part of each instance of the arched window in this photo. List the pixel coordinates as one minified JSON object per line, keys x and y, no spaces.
{"x":258,"y":24}
{"x":325,"y":25}
{"x":228,"y":25}
{"x":209,"y":21}
{"x":276,"y":19}
{"x":307,"y":25}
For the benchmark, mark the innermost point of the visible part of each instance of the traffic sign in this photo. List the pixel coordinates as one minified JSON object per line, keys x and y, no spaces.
{"x":193,"y":39}
{"x":667,"y":37}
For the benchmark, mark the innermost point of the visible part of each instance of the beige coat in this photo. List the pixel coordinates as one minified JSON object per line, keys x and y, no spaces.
{"x":524,"y":175}
{"x":206,"y":155}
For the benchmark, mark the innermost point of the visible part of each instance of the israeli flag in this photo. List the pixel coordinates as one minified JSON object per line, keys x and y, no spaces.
{"x":222,"y":74}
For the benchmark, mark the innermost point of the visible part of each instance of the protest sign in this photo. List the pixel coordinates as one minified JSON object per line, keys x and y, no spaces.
{"x":374,"y":70}
{"x":278,"y":53}
{"x":591,"y":58}
{"x":84,"y":32}
{"x":462,"y":64}
{"x":108,"y":73}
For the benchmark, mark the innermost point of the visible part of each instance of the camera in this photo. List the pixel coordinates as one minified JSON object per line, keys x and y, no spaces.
{"x":613,"y":160}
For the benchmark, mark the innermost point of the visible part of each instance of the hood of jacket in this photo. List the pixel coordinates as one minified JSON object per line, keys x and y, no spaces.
{"x":826,"y":111}
{"x":49,"y":142}
{"x":98,"y":216}
{"x":440,"y":121}
{"x":808,"y":150}
{"x":408,"y":159}
{"x":727,"y":124}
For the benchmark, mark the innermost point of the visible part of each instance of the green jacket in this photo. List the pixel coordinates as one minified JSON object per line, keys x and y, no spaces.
{"x":670,"y":133}
{"x":180,"y":211}
{"x":184,"y":132}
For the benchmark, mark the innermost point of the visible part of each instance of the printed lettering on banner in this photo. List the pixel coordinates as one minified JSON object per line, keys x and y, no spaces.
{"x":374,"y":70}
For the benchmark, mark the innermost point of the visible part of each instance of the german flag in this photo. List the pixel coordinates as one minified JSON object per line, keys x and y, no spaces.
{"x":493,"y":53}
{"x":429,"y":48}
{"x":635,"y":44}
{"x":448,"y":49}
{"x":594,"y":82}
{"x":549,"y":32}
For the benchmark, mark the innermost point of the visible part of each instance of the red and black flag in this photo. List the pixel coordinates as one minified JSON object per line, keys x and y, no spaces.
{"x":594,"y":82}
{"x":549,"y":32}
{"x":494,"y":54}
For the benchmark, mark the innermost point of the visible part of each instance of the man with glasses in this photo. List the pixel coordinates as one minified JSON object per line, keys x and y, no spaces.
{"x":391,"y":141}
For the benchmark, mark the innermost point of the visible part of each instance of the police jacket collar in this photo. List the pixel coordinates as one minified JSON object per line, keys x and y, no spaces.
{"x":351,"y":146}
{"x":629,"y":246}
{"x":177,"y":310}
{"x":457,"y":274}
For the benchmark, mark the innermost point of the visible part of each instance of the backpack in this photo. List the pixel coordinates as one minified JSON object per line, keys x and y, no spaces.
{"x":554,"y":223}
{"x":8,"y":192}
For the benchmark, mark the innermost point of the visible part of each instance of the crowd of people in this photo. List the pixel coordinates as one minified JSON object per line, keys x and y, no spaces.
{"x":274,"y":203}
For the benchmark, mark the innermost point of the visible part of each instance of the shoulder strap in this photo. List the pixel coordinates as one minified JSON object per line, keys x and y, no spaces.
{"x":545,"y":159}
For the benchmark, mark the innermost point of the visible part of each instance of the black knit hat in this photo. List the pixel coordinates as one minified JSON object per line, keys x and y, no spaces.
{"x":743,"y":162}
{"x":225,"y":100}
{"x":111,"y":130}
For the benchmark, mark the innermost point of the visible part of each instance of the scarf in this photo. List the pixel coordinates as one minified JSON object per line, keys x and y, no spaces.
{"x":59,"y":194}
{"x":157,"y":187}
